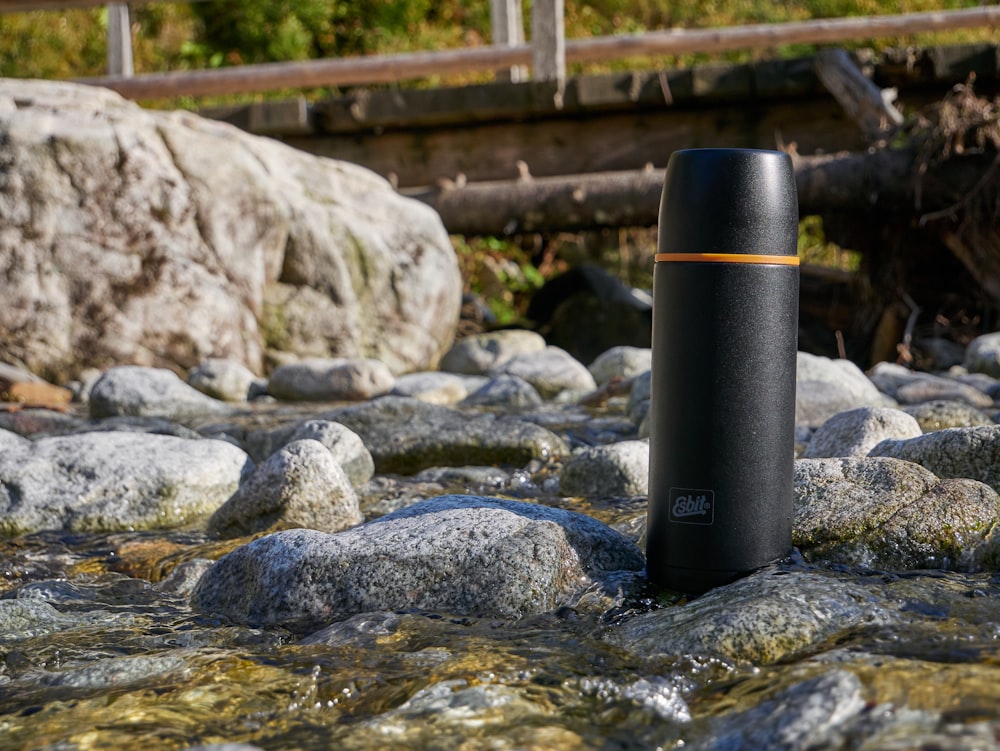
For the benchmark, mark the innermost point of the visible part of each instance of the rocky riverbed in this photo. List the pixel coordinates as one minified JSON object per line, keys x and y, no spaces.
{"x":341,"y":558}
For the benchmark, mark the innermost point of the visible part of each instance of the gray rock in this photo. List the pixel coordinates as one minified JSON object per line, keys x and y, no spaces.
{"x":464,"y":555}
{"x":909,"y":387}
{"x":184,"y":578}
{"x":825,"y":387}
{"x":228,"y":380}
{"x":129,"y":670}
{"x":153,"y":237}
{"x":300,"y":485}
{"x":482,"y":353}
{"x":551,"y":371}
{"x":985,"y":383}
{"x":617,"y":469}
{"x":224,"y":747}
{"x":29,"y":617}
{"x":763,"y":618}
{"x":407,"y":435}
{"x":432,"y":387}
{"x":938,"y":415}
{"x":983,"y":354}
{"x":972,"y":453}
{"x":11,"y":441}
{"x":857,"y":431}
{"x":331,"y":379}
{"x":621,"y":362}
{"x":888,"y":513}
{"x":115,"y":481}
{"x":505,"y":391}
{"x":134,"y":391}
{"x":346,"y":446}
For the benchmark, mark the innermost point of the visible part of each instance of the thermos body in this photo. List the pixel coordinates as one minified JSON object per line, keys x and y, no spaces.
{"x":722,"y":411}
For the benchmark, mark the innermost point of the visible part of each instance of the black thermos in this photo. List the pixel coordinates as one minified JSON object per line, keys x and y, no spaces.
{"x":725,"y":330}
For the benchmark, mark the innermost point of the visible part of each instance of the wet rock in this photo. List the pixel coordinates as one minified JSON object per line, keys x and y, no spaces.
{"x":228,"y":380}
{"x":134,"y":391}
{"x":130,"y":670}
{"x":983,"y":355}
{"x":407,"y":435}
{"x":300,"y":485}
{"x":504,"y":391}
{"x":115,"y":481}
{"x":760,"y":619}
{"x":938,"y":415}
{"x":482,"y":353}
{"x":551,"y":371}
{"x":887,"y":513}
{"x":346,"y":446}
{"x":464,"y":555}
{"x":617,"y":469}
{"x":30,"y":617}
{"x":621,"y":362}
{"x":857,"y":431}
{"x":433,"y":388}
{"x":825,"y":387}
{"x":331,"y":379}
{"x":224,"y":747}
{"x":184,"y":578}
{"x":909,"y":387}
{"x":972,"y":453}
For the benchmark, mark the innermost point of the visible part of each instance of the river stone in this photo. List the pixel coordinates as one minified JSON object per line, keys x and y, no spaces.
{"x":406,"y":435}
{"x":10,"y":440}
{"x":825,"y":387}
{"x":30,"y":617}
{"x":504,"y":391}
{"x":909,"y":387}
{"x":331,"y":379}
{"x":481,"y":353}
{"x":938,"y":415}
{"x":300,"y":485}
{"x":344,"y":444}
{"x":890,"y":514}
{"x":127,"y":670}
{"x":856,"y":431}
{"x":972,"y":453}
{"x":760,"y":619}
{"x":114,"y":481}
{"x":135,"y":391}
{"x":616,"y":469}
{"x":464,"y":555}
{"x":228,"y":380}
{"x":983,"y":354}
{"x":551,"y":371}
{"x":621,"y":362}
{"x":151,"y":237}
{"x":432,"y":387}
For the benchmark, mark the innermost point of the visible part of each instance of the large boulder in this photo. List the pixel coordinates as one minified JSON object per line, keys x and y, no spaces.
{"x":162,"y":238}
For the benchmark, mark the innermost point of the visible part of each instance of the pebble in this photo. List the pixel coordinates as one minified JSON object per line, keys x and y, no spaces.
{"x":346,"y":446}
{"x":434,"y":388}
{"x":617,"y":469}
{"x":982,"y":355}
{"x":482,"y":353}
{"x":330,"y":380}
{"x":621,"y":362}
{"x":228,"y":380}
{"x":506,"y":392}
{"x":856,"y":431}
{"x":909,"y":387}
{"x":135,"y":391}
{"x":551,"y":371}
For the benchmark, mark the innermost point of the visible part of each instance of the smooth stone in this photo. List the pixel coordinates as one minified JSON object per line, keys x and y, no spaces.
{"x":551,"y":371}
{"x":114,"y":481}
{"x":621,"y":362}
{"x":185,"y":577}
{"x":27,"y":617}
{"x":617,"y":469}
{"x":938,"y":415}
{"x":228,"y":380}
{"x":825,"y":387}
{"x":331,"y":379}
{"x":464,"y":555}
{"x":481,"y":353}
{"x":31,"y":422}
{"x":909,"y":387}
{"x":136,"y":391}
{"x":857,"y":431}
{"x":887,"y":513}
{"x":985,"y":383}
{"x":760,"y":619}
{"x":10,"y":441}
{"x":504,"y":391}
{"x":972,"y":453}
{"x":344,"y":444}
{"x":982,"y":355}
{"x":406,"y":435}
{"x":432,"y":387}
{"x":300,"y":485}
{"x":129,"y":670}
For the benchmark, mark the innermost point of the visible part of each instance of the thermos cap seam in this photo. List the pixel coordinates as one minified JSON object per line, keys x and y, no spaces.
{"x":726,"y":258}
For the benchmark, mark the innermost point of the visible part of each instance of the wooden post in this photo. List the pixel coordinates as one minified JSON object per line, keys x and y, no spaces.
{"x":507,"y":24}
{"x":119,"y":41}
{"x":548,"y":43}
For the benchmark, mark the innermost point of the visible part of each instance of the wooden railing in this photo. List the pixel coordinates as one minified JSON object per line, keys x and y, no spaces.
{"x":548,"y":53}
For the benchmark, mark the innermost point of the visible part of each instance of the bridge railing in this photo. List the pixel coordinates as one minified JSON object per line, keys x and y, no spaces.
{"x":547,"y":54}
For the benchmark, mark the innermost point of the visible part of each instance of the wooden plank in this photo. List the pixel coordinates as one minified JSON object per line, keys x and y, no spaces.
{"x":392,"y":68}
{"x":866,"y":104}
{"x":507,"y":27}
{"x":120,"y":61}
{"x":25,"y":6}
{"x":548,"y":42}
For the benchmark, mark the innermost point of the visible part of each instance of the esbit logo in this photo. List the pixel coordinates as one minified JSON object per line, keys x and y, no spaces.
{"x":689,"y":506}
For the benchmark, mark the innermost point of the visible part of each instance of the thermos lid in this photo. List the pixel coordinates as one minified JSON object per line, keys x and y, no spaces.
{"x":729,"y":201}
